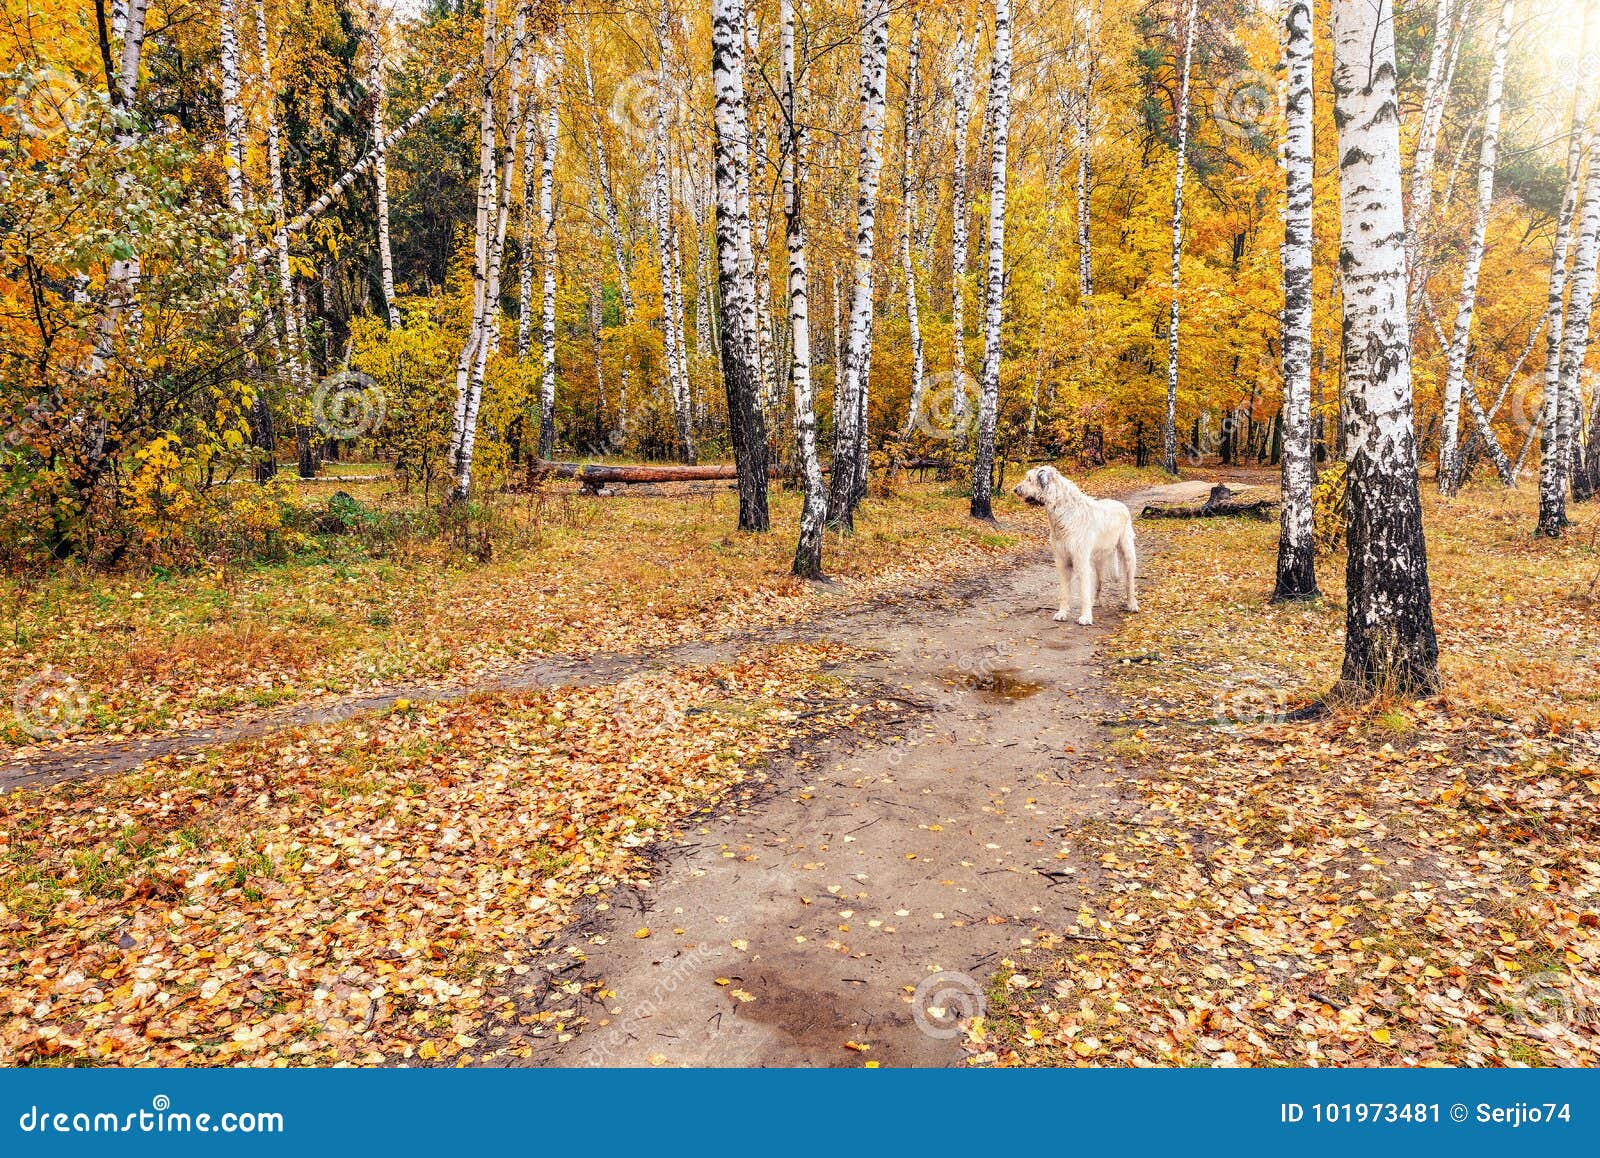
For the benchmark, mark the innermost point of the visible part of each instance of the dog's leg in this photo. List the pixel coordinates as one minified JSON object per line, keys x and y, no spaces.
{"x":1084,"y":566}
{"x":1130,"y":566}
{"x":1064,"y":574}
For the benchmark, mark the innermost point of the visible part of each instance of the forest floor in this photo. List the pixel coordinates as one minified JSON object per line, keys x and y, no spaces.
{"x":906,"y":819}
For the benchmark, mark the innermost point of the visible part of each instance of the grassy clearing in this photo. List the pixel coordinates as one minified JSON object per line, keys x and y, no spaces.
{"x":1400,"y":883}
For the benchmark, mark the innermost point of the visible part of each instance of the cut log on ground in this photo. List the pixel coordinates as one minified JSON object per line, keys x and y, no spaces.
{"x":594,"y":476}
{"x":1221,"y":503}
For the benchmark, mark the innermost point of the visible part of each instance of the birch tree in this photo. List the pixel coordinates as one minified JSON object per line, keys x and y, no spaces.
{"x":547,"y":257}
{"x":667,"y":251}
{"x":961,"y":86}
{"x":908,"y":198}
{"x":1169,"y":427}
{"x":1456,"y":371}
{"x":380,"y":167}
{"x":1565,"y":402}
{"x":464,"y":429}
{"x":1435,"y":96}
{"x":1088,"y":23}
{"x":746,"y":423}
{"x":849,"y":398}
{"x":1389,"y":637}
{"x":1297,"y":577}
{"x":1580,"y":146}
{"x":814,"y":512}
{"x":989,"y":387}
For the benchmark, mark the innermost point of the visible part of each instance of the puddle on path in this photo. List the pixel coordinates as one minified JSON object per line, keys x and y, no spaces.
{"x":1001,"y":685}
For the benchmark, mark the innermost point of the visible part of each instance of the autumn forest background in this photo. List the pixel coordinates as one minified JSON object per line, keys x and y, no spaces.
{"x":376,"y":659}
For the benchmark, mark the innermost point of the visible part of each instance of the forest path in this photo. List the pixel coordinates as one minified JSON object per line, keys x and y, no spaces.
{"x":870,"y":896}
{"x":835,"y":619}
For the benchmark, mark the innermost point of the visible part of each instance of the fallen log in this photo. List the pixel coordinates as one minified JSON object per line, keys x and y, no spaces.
{"x":1221,"y":503}
{"x":593,"y":476}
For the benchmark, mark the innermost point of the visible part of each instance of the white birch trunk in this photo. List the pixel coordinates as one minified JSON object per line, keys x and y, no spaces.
{"x":667,"y":252}
{"x":1088,"y":23}
{"x":1580,"y":146}
{"x":849,"y":440}
{"x":232,"y":116}
{"x":908,"y":197}
{"x":380,"y":166}
{"x":1169,"y":427}
{"x":311,"y":212}
{"x":547,"y":260}
{"x":989,"y":388}
{"x":464,"y":430}
{"x":529,"y":212}
{"x":746,"y":423}
{"x":1489,"y":159}
{"x":814,"y":512}
{"x":1296,"y":576}
{"x":1435,"y":95}
{"x":1389,"y":637}
{"x":966,"y":51}
{"x":1568,"y":394}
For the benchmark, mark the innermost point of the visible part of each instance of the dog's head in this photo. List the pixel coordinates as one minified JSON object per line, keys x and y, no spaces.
{"x":1038,"y":485}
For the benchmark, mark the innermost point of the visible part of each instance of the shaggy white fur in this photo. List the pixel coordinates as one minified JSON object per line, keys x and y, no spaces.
{"x":1088,"y":537}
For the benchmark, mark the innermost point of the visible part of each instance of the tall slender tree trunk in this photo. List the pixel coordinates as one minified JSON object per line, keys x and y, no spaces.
{"x":1389,"y":637}
{"x":814,"y":512}
{"x":1088,"y":23}
{"x":1169,"y":427}
{"x":1435,"y":96}
{"x":1456,"y":372}
{"x":994,"y":298}
{"x":296,"y":372}
{"x":527,"y":214}
{"x":966,"y":51}
{"x":849,"y":400}
{"x":760,"y":218}
{"x":908,"y":197}
{"x":1566,"y":399}
{"x":1297,"y":576}
{"x":667,"y":250}
{"x":1580,"y":146}
{"x":547,"y":259}
{"x":746,"y":423}
{"x":380,"y":167}
{"x":464,"y":428}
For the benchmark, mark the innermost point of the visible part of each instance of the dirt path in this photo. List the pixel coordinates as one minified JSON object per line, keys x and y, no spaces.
{"x":873,"y":895}
{"x":835,"y":618}
{"x":839,"y":618}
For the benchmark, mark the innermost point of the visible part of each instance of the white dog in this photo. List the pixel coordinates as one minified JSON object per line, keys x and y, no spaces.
{"x":1088,"y":536}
